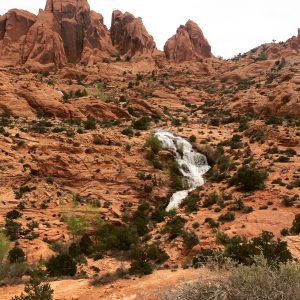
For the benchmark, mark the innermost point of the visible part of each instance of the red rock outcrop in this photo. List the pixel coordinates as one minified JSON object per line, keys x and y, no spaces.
{"x":67,"y":31}
{"x":187,"y":44}
{"x":79,"y":28}
{"x":14,"y":26}
{"x":129,"y":35}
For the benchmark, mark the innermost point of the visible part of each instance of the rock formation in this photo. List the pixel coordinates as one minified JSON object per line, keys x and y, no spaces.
{"x":14,"y":26}
{"x":187,"y":44}
{"x":67,"y":31}
{"x":129,"y":35}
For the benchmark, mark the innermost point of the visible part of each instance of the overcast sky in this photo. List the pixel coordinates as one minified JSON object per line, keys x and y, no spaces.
{"x":231,"y":26}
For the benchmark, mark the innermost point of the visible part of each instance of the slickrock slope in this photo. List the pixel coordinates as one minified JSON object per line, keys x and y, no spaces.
{"x":129,"y":35}
{"x":187,"y":44}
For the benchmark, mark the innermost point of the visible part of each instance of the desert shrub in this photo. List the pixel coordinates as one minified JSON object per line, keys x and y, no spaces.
{"x":109,"y":277}
{"x":274,"y":120}
{"x":244,"y":251}
{"x":61,"y":265}
{"x":114,"y":237}
{"x":142,"y":124}
{"x":154,"y":143}
{"x":4,"y":246}
{"x":86,"y":245}
{"x":13,"y":214}
{"x":206,"y":256}
{"x":12,"y":229}
{"x":215,"y":122}
{"x":259,"y":281}
{"x":128,"y":131}
{"x":249,"y":179}
{"x":16,"y":255}
{"x":90,"y":123}
{"x":287,"y":201}
{"x":141,"y":219}
{"x":176,"y":178}
{"x":35,"y":290}
{"x":174,"y":227}
{"x":234,"y":143}
{"x":190,"y":240}
{"x":212,"y":199}
{"x":77,"y":225}
{"x":190,"y":203}
{"x":143,"y":258}
{"x":192,"y":138}
{"x":296,"y":225}
{"x":74,"y":250}
{"x":12,"y":273}
{"x":212,"y":223}
{"x":227,"y":217}
{"x":159,"y":214}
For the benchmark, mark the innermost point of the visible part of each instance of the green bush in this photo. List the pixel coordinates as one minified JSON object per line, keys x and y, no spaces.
{"x":244,"y":251}
{"x":227,"y":217}
{"x":16,"y":255}
{"x":142,"y":124}
{"x":13,"y":214}
{"x":296,"y":225}
{"x":86,"y":245}
{"x":12,"y":229}
{"x":174,"y":227}
{"x":249,"y":179}
{"x":190,"y":240}
{"x":4,"y":246}
{"x":90,"y":123}
{"x":190,"y":203}
{"x":257,"y":282}
{"x":34,"y":290}
{"x":61,"y":265}
{"x":154,"y":143}
{"x":114,"y":237}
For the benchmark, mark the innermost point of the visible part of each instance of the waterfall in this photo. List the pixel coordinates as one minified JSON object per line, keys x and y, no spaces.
{"x":192,"y":165}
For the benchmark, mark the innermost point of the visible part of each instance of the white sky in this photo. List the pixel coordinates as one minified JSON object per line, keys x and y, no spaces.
{"x":231,"y":26}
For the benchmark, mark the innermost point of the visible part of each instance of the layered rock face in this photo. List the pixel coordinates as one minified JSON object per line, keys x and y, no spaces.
{"x":129,"y":35}
{"x":187,"y":44}
{"x":67,"y":31}
{"x":14,"y":26}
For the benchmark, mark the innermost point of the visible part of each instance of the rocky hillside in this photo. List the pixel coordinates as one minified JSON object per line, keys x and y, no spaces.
{"x":85,"y":181}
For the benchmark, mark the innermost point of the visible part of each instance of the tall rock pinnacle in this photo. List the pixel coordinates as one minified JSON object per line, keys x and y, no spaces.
{"x":187,"y":44}
{"x":129,"y":35}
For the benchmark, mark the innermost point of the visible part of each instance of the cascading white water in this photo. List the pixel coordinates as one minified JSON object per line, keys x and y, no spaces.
{"x":193,"y":165}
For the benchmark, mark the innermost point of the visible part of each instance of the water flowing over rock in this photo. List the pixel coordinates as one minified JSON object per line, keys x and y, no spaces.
{"x":193,"y":165}
{"x":187,"y":44}
{"x":129,"y":35}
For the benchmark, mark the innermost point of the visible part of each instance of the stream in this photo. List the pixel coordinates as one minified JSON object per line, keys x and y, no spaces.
{"x":192,"y":165}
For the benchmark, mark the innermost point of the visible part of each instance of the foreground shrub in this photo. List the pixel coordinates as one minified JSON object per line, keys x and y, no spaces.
{"x":244,"y":251}
{"x":144,"y":257}
{"x":249,"y":179}
{"x":61,"y":265}
{"x":34,"y":290}
{"x":256,"y":282}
